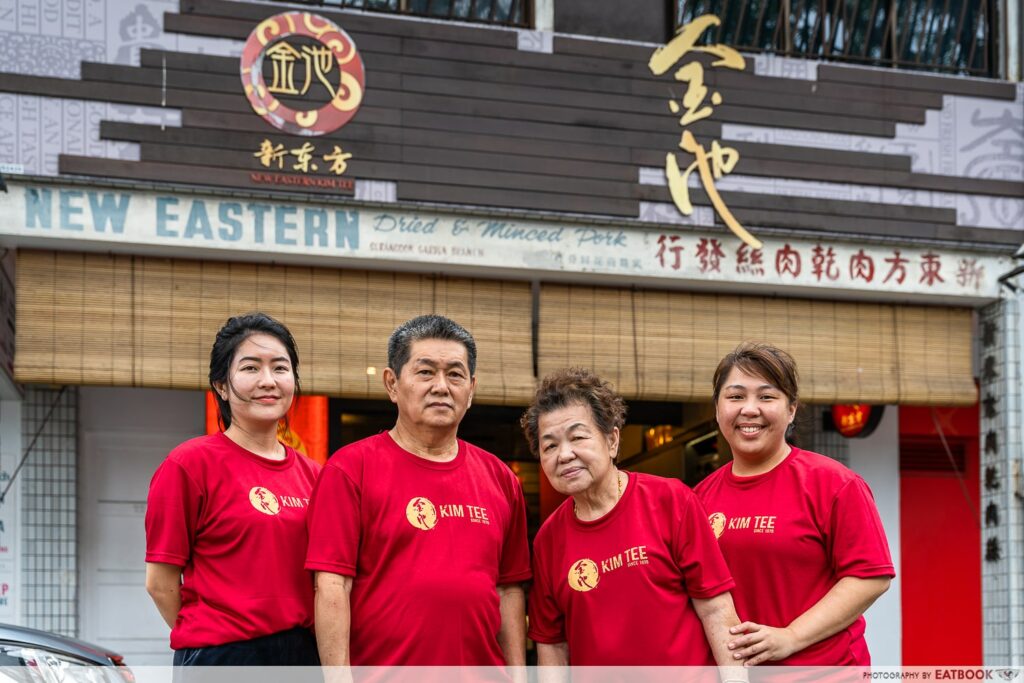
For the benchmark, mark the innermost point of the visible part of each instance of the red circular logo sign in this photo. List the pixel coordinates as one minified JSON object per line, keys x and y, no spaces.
{"x":333,"y":65}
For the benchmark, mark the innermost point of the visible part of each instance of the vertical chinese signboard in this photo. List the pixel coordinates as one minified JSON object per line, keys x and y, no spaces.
{"x":711,"y":164}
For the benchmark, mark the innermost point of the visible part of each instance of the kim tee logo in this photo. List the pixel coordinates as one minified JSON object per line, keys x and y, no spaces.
{"x":756,"y":524}
{"x":717,"y":522}
{"x":424,"y":515}
{"x":421,"y":513}
{"x":311,"y":60}
{"x":264,"y":501}
{"x":583,"y":575}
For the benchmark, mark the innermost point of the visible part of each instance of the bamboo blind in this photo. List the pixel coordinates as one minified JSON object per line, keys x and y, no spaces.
{"x":665,"y":345}
{"x":98,"y":319}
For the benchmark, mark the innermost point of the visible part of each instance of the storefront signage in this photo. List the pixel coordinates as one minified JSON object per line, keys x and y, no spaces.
{"x":299,"y":166}
{"x":331,"y":68}
{"x":856,"y":420}
{"x":201,"y":226}
{"x":303,"y":158}
{"x":711,"y":164}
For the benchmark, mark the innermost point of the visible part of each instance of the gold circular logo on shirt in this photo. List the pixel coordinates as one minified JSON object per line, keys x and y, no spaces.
{"x":717,"y":522}
{"x":421,"y":513}
{"x":583,"y":575}
{"x":264,"y":501}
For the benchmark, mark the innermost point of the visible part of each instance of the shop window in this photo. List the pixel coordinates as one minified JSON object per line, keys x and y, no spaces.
{"x":499,"y":12}
{"x":957,"y":36}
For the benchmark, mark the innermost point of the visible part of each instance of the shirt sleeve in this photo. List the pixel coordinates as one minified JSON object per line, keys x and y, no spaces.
{"x":515,"y":551}
{"x":547,"y":622}
{"x":173,"y":508}
{"x":857,"y":538}
{"x":334,"y":522}
{"x":695,"y":550}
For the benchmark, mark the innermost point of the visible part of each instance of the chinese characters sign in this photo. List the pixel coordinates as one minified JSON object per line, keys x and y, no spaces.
{"x":270,"y":155}
{"x":295,"y":166}
{"x":711,"y":164}
{"x":821,"y":263}
{"x":332,"y":67}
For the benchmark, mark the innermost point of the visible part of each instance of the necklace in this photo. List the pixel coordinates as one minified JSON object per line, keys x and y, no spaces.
{"x":618,"y":480}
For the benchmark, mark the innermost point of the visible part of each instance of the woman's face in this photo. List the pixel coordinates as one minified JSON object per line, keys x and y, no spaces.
{"x":574,"y":454}
{"x":753,"y":415}
{"x":261,"y":382}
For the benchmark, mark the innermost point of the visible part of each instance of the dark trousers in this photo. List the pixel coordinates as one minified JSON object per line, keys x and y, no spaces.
{"x":295,"y":647}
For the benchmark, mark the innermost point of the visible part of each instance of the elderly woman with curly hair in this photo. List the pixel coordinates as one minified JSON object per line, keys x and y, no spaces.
{"x":626,"y":571}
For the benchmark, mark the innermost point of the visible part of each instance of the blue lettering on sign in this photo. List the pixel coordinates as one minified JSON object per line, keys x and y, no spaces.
{"x":346,"y":227}
{"x":385,"y":222}
{"x":38,"y":208}
{"x":108,"y":209}
{"x":68,"y":211}
{"x":258,"y":212}
{"x":164,"y":216}
{"x":198,"y":221}
{"x":315,"y":227}
{"x":605,"y":238}
{"x":510,"y":231}
{"x":282,"y":225}
{"x":227,"y":213}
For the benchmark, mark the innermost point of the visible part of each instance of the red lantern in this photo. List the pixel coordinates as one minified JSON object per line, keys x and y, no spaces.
{"x":856,"y":420}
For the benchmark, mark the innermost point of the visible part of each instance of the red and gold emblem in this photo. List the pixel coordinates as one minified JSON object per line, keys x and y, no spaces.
{"x":584,"y":575}
{"x":264,"y":501}
{"x":332,"y":64}
{"x":421,"y":513}
{"x":717,"y":522}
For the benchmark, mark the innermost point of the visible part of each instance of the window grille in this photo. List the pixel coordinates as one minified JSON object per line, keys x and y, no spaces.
{"x":821,"y":439}
{"x":49,"y":510}
{"x":498,"y":12}
{"x":956,"y":36}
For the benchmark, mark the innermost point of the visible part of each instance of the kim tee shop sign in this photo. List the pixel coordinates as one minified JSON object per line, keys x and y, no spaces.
{"x":303,"y":75}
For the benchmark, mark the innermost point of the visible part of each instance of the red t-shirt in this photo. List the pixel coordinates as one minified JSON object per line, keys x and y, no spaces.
{"x":236,"y":522}
{"x":427,"y":544}
{"x":789,"y":535}
{"x":618,"y":589}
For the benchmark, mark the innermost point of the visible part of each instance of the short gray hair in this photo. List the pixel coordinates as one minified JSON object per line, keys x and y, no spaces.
{"x":428,"y":327}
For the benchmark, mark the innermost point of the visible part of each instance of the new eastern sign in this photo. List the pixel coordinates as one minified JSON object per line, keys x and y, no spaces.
{"x":197,"y":226}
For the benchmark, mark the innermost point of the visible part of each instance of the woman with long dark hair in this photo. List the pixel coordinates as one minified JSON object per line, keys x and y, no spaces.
{"x":225,"y":520}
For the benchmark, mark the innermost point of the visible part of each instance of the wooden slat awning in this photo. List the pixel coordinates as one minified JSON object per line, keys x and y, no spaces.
{"x":664,"y":346}
{"x":99,"y":319}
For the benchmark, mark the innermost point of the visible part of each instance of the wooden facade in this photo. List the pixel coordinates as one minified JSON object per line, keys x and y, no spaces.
{"x":456,"y":114}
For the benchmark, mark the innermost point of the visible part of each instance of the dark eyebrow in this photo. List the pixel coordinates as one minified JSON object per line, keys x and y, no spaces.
{"x":569,"y":429}
{"x":259,"y":360}
{"x":760,"y":388}
{"x":433,"y":364}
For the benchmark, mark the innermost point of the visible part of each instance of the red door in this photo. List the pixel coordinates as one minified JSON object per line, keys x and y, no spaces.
{"x":940,"y":537}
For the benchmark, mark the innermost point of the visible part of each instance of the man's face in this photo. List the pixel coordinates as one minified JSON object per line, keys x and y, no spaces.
{"x":434,"y":389}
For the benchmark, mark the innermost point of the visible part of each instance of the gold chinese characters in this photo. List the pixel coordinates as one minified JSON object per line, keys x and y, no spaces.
{"x":710,"y":165}
{"x":271,"y":155}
